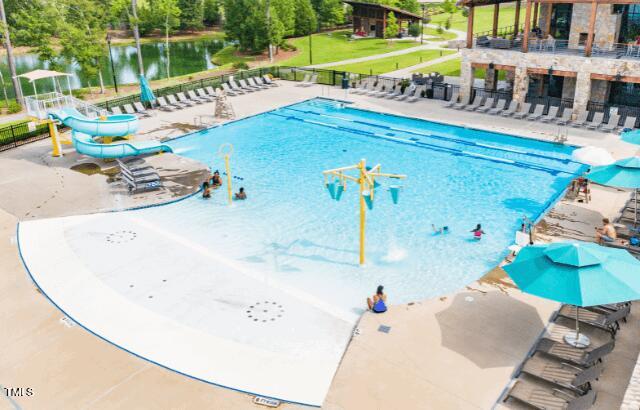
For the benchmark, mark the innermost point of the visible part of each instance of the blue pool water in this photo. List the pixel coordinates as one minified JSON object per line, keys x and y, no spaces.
{"x":290,"y":230}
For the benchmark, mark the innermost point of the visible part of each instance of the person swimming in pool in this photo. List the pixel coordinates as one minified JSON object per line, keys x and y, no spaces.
{"x":377,"y":304}
{"x":216,"y":181}
{"x":439,"y":231}
{"x":241,"y":194}
{"x":478,"y":232}
{"x":206,"y":190}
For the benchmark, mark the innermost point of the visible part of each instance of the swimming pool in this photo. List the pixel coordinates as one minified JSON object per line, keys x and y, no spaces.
{"x":262,"y":295}
{"x":292,"y":229}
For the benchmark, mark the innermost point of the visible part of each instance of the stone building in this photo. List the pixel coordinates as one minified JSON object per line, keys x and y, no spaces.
{"x":584,"y":54}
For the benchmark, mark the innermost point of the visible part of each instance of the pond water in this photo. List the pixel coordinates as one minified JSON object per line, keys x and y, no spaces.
{"x":187,"y":57}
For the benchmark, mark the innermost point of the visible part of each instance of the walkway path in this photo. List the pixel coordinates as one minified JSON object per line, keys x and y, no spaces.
{"x":406,"y":72}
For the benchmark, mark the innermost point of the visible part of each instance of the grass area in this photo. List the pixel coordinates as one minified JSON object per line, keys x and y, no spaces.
{"x":385,"y":65}
{"x":15,"y":122}
{"x":226,"y":57}
{"x":451,"y":68}
{"x":336,"y":46}
{"x":483,"y":18}
{"x":444,"y":36}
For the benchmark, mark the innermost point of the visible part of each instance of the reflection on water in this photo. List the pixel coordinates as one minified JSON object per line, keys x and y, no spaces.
{"x":186,"y":57}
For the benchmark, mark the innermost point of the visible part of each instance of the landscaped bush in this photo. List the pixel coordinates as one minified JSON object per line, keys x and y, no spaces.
{"x":240,"y":65}
{"x":14,"y":107}
{"x":414,"y":30}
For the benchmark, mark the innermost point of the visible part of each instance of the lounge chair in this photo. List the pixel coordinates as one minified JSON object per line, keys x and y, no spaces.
{"x":305,"y":80}
{"x":498,"y":108}
{"x":361,"y":88}
{"x":408,"y":92}
{"x":235,"y":87}
{"x":455,"y":96}
{"x":243,"y":84}
{"x":164,"y":105}
{"x":488,"y":105}
{"x":551,"y":115}
{"x":477,"y":103}
{"x":381,"y":91}
{"x":629,"y":123}
{"x":397,"y":91}
{"x":374,"y":89}
{"x":612,"y":125}
{"x":417,"y":94}
{"x":183,"y":99}
{"x":537,"y":113}
{"x":269,"y":81}
{"x":526,"y":107}
{"x":565,"y":118}
{"x":252,"y":83}
{"x":116,"y":110}
{"x":545,"y":396}
{"x":203,"y":94}
{"x":570,"y":377}
{"x":210,"y":91}
{"x":604,"y":321}
{"x":596,"y":122}
{"x":140,"y":109}
{"x":574,"y":355}
{"x":228,"y":90}
{"x":172,"y":100}
{"x":312,"y":81}
{"x":193,"y":97}
{"x":581,"y":121}
{"x":464,"y":101}
{"x":128,"y":109}
{"x":511,"y":109}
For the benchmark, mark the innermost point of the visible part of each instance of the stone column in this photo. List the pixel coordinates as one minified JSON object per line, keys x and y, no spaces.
{"x":583,"y":93}
{"x":491,"y":79}
{"x":520,"y":84}
{"x":466,"y":79}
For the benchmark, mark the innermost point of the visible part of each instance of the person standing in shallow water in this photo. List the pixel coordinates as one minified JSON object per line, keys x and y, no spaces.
{"x":377,"y":303}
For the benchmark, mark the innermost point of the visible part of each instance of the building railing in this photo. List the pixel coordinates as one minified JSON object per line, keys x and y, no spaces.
{"x":503,"y":32}
{"x":617,"y":51}
{"x":13,"y":136}
{"x":548,"y":102}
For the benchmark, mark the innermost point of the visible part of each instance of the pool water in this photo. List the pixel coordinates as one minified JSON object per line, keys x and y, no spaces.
{"x":291,"y":231}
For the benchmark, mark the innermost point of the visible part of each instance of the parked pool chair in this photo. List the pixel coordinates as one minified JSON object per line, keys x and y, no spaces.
{"x":541,"y":395}
{"x":463,"y":102}
{"x":574,"y":355}
{"x":565,"y":118}
{"x":269,"y":81}
{"x":417,"y":94}
{"x":210,"y":91}
{"x":613,"y":307}
{"x":194,"y":97}
{"x":374,"y":89}
{"x":551,"y":115}
{"x":164,"y":105}
{"x":510,"y":110}
{"x":262,"y":81}
{"x":395,"y":92}
{"x":524,"y":111}
{"x":311,"y":81}
{"x":128,"y":109}
{"x":140,"y":109}
{"x":537,"y":113}
{"x":601,"y":320}
{"x":179,"y":104}
{"x":408,"y":92}
{"x":500,"y":105}
{"x":184,"y":100}
{"x":629,"y":123}
{"x":116,"y":110}
{"x":243,"y":84}
{"x":227,"y":89}
{"x":381,"y":92}
{"x":570,"y":377}
{"x":255,"y":82}
{"x":235,"y":87}
{"x":477,"y":103}
{"x":488,"y":105}
{"x":203,"y":94}
{"x":455,"y":96}
{"x":581,"y":121}
{"x":362,"y":87}
{"x":612,"y":125}
{"x":305,"y":80}
{"x":596,"y":121}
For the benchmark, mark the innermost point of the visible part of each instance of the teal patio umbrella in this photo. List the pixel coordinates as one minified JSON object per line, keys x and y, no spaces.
{"x":632,"y":137}
{"x":146,"y":94}
{"x":577,"y":273}
{"x":624,"y":173}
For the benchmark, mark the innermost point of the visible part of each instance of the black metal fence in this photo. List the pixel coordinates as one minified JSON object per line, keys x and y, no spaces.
{"x":13,"y":136}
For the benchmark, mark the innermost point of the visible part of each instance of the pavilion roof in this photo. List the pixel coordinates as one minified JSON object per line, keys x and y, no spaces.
{"x":383,"y":7}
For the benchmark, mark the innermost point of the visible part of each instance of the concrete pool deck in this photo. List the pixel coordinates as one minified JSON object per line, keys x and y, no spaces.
{"x":382,"y":370}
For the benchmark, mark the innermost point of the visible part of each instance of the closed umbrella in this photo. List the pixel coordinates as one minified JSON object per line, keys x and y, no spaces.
{"x":592,"y":156}
{"x":624,"y":173}
{"x":577,"y":273}
{"x":146,"y":94}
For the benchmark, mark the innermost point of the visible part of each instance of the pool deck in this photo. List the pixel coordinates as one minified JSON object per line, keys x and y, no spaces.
{"x":456,"y":351}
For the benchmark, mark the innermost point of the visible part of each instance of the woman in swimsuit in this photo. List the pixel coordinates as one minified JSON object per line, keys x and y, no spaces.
{"x":478,"y":232}
{"x":216,"y":181}
{"x":377,"y":304}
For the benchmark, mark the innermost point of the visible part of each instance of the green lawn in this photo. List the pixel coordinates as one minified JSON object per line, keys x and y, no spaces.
{"x":444,"y":36}
{"x":227,"y":57}
{"x":15,"y":122}
{"x":336,"y":46}
{"x":385,"y":65}
{"x":483,"y":18}
{"x":451,"y":68}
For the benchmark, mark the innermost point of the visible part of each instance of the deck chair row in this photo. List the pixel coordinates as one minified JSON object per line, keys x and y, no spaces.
{"x":248,"y":85}
{"x":411,"y":93}
{"x":560,"y":376}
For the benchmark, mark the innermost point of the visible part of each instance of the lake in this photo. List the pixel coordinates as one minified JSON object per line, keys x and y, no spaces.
{"x":187,"y":57}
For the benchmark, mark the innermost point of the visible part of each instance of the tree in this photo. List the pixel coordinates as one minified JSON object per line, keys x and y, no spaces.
{"x":449,"y":6}
{"x":414,"y":30}
{"x":285,"y":11}
{"x":328,"y":12}
{"x":408,"y":5}
{"x":191,"y":14}
{"x":133,"y":20}
{"x":392,"y":29}
{"x":10,"y":59}
{"x":246,"y":23}
{"x":305,"y":18}
{"x":170,"y":13}
{"x":212,"y":12}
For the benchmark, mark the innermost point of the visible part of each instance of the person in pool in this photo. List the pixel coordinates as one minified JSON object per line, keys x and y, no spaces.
{"x":241,"y":194}
{"x":206,"y":190}
{"x":478,"y":232}
{"x":377,"y":304}
{"x":439,"y":231}
{"x":216,"y":181}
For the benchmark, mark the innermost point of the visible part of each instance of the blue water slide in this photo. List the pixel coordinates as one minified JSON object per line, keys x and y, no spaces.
{"x":112,"y":126}
{"x":84,"y":144}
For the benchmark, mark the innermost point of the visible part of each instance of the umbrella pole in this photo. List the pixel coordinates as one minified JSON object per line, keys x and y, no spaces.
{"x":577,"y":323}
{"x":635,"y":215}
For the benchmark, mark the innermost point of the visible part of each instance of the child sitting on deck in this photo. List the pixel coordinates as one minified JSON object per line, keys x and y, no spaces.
{"x":377,"y":303}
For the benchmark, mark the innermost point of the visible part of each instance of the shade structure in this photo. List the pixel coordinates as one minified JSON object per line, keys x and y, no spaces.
{"x":593,"y":156}
{"x":577,"y":273}
{"x":624,"y":173}
{"x":146,"y":94}
{"x":632,"y":137}
{"x":40,"y":74}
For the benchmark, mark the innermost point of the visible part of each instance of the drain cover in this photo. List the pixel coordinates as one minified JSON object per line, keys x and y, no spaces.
{"x":264,"y":311}
{"x":121,"y":236}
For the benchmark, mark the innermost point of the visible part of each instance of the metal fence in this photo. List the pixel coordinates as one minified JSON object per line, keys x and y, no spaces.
{"x":15,"y":135}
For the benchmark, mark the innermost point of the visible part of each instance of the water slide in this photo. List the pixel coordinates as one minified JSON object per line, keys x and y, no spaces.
{"x":84,"y":129}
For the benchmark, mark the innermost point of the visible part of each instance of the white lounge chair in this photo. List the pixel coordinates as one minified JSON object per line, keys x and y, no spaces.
{"x":193,"y":97}
{"x":203,"y":94}
{"x":255,"y":82}
{"x":116,"y":110}
{"x":596,"y":121}
{"x":312,"y":81}
{"x":140,"y":109}
{"x":408,"y":92}
{"x":228,"y":90}
{"x":269,"y":81}
{"x":524,"y":112}
{"x":511,"y":109}
{"x":417,"y":94}
{"x":183,"y":99}
{"x":488,"y":104}
{"x":172,"y":100}
{"x":164,"y":105}
{"x":235,"y":87}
